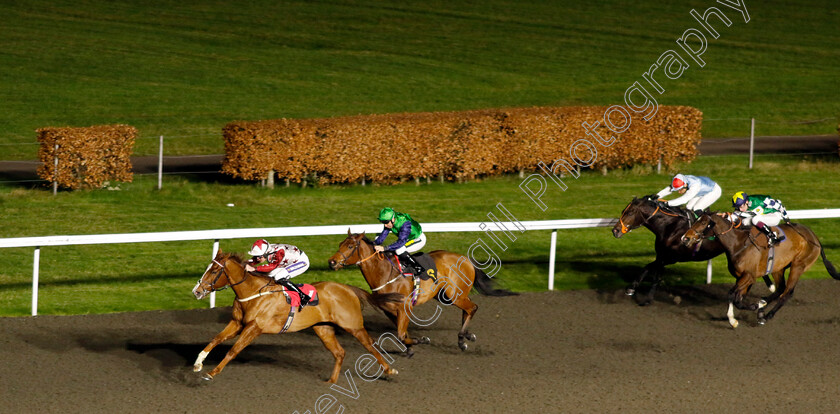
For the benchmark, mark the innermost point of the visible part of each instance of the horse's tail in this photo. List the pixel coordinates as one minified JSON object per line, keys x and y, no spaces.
{"x":484,"y":284}
{"x":378,"y":299}
{"x":828,"y":266}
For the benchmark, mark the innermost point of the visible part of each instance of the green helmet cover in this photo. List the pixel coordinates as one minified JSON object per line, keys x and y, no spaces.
{"x":386,"y":214}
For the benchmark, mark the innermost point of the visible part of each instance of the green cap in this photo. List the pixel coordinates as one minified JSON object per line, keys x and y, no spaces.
{"x":386,"y":214}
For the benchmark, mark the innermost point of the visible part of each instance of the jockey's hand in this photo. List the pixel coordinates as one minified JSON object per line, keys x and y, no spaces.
{"x":249,"y":268}
{"x":379,"y":248}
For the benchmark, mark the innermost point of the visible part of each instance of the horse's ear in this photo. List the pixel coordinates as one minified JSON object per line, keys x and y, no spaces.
{"x":635,"y":198}
{"x":348,"y":231}
{"x":219,"y":253}
{"x":363,"y":234}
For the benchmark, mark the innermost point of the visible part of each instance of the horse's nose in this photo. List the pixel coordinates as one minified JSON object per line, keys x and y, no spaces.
{"x":616,"y":233}
{"x":332,"y":264}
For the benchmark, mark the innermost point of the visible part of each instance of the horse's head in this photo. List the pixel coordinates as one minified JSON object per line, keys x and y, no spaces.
{"x":214,"y":278}
{"x":633,"y":216}
{"x":703,"y":228}
{"x":349,"y":251}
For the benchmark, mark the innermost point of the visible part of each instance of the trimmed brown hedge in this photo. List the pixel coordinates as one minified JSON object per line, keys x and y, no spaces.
{"x":454,"y":145}
{"x":87,"y":157}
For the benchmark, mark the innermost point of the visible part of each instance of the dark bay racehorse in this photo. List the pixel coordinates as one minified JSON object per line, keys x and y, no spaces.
{"x":668,"y":224}
{"x":451,"y":287}
{"x":260,"y":307}
{"x":748,"y":259}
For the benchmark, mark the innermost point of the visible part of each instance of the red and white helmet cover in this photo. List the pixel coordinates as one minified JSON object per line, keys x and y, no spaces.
{"x":259,"y":248}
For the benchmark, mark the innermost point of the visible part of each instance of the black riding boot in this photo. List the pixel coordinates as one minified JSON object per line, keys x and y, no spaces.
{"x":304,"y":298}
{"x":771,"y":235}
{"x":409,"y":262}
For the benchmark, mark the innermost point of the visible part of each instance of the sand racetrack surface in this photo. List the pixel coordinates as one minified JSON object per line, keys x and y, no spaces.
{"x":570,"y":352}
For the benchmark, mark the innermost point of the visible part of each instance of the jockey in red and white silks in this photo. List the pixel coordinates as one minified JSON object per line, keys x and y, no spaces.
{"x":281,"y":262}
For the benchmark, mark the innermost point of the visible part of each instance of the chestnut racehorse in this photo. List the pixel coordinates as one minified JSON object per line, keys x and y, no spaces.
{"x":668,"y":224}
{"x":748,"y":259}
{"x":451,"y":287}
{"x":260,"y":307}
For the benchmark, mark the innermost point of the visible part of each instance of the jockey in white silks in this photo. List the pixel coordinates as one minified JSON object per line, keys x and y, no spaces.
{"x":698,"y":192}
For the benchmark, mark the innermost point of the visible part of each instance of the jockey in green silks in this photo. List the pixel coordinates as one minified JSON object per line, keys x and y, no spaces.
{"x":760,"y":210}
{"x":410,"y":237}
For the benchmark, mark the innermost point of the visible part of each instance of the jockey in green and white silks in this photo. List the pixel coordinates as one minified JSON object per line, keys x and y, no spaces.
{"x":410,"y":237}
{"x":698,"y":192}
{"x":760,"y":210}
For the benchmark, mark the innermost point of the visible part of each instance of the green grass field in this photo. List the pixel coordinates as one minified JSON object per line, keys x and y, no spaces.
{"x":184,"y":69}
{"x":151,"y":276}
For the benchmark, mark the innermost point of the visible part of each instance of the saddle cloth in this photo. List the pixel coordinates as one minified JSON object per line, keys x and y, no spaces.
{"x":293,"y":299}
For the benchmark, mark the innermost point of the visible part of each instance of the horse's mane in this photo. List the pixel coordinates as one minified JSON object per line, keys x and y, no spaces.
{"x":365,"y":239}
{"x":236,"y":257}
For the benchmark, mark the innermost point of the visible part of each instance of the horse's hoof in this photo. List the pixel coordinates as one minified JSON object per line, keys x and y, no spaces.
{"x":762,"y":321}
{"x":463,"y":346}
{"x":197,"y":367}
{"x":409,"y":353}
{"x":629,"y":291}
{"x":471,"y":337}
{"x":206,"y":377}
{"x":424,"y":340}
{"x":392,"y":371}
{"x":734,"y":324}
{"x":772,"y":288}
{"x":762,"y":303}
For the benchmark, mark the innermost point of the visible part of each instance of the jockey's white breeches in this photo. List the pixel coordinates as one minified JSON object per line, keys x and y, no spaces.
{"x":705,"y":200}
{"x":295,"y":269}
{"x":771,"y":219}
{"x":413,"y":245}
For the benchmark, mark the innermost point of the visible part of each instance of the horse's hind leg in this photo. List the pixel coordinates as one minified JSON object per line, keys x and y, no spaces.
{"x":327,"y":335}
{"x":468,"y":308}
{"x":787,"y":292}
{"x":233,"y":327}
{"x":363,"y":337}
{"x":247,"y":336}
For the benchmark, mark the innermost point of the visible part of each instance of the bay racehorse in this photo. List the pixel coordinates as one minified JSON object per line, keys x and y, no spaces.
{"x":748,"y":258}
{"x":260,"y":307}
{"x":457,"y":275}
{"x":668,"y":224}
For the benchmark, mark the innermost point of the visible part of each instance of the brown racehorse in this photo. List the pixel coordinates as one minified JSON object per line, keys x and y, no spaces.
{"x":260,"y":308}
{"x":382,"y":275}
{"x":748,"y":259}
{"x":668,"y":224}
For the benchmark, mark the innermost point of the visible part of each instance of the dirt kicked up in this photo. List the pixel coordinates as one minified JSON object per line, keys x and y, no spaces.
{"x":570,"y":352}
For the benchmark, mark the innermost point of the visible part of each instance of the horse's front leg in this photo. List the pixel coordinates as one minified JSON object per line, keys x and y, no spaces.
{"x":232,"y":329}
{"x":398,"y":315}
{"x":251,"y":332}
{"x":654,"y":268}
{"x":736,"y":298}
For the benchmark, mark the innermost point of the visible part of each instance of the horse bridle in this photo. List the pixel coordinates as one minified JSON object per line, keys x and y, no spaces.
{"x":355,"y":248}
{"x":625,"y":229}
{"x":223,"y":271}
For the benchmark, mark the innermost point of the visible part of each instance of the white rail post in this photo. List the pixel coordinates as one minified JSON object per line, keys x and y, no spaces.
{"x":752,"y":140}
{"x":709,"y":272}
{"x":213,"y":294}
{"x":551,"y":257}
{"x":160,"y":163}
{"x":36,"y":258}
